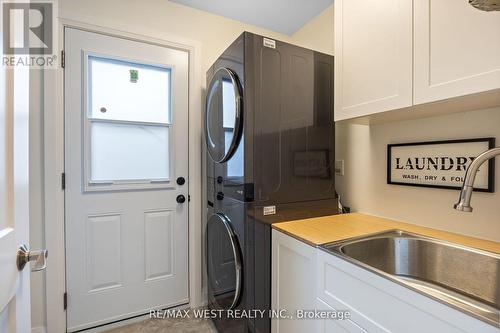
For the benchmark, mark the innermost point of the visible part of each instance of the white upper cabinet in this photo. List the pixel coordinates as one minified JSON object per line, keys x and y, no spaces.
{"x":373,"y":56}
{"x":394,"y":54}
{"x":457,"y":50}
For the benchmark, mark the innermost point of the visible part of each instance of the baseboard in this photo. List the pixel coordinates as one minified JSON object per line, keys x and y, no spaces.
{"x":39,"y":329}
{"x":125,"y":322}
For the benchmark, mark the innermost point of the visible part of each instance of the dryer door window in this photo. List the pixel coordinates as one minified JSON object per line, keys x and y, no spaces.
{"x":224,"y":115}
{"x":224,"y":265}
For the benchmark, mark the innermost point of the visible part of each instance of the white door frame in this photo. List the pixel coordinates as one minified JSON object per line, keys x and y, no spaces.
{"x":54,"y":167}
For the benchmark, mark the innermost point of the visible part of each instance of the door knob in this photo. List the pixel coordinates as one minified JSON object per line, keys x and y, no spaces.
{"x":39,"y":257}
{"x":180,"y":198}
{"x":181,"y":181}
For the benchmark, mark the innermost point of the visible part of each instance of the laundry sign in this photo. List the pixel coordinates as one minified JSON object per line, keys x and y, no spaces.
{"x":439,"y":164}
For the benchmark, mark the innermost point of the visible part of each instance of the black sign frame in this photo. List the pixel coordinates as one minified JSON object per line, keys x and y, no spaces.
{"x":491,"y":163}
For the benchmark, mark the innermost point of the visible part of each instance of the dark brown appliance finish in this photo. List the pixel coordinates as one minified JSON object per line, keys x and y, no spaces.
{"x":277,"y":150}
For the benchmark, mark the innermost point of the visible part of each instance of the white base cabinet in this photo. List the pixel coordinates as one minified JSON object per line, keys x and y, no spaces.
{"x":335,"y":326}
{"x":293,"y":284}
{"x":379,"y":305}
{"x":308,"y":278}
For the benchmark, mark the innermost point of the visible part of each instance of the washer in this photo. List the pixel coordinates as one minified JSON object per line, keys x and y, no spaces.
{"x":269,"y":135}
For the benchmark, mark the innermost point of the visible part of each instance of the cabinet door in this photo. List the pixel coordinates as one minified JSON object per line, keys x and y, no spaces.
{"x":457,"y":50}
{"x":379,"y":305}
{"x":335,"y":326}
{"x":293,"y":282}
{"x":373,"y":56}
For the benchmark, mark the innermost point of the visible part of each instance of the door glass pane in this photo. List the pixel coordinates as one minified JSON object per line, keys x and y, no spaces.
{"x":229,"y":112}
{"x":120,"y":90}
{"x":221,"y":115}
{"x":235,"y":163}
{"x":214,"y":116}
{"x":129,"y":152}
{"x":228,"y":104}
{"x":221,"y":264}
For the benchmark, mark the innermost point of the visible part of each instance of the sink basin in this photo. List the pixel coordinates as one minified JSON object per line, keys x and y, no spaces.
{"x":462,"y":277}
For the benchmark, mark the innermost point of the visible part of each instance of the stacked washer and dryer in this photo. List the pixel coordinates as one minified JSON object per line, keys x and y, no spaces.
{"x":269,"y":134}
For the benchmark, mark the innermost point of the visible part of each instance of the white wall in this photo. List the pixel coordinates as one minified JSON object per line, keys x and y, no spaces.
{"x":317,"y":34}
{"x":364,"y":187}
{"x":160,"y":19}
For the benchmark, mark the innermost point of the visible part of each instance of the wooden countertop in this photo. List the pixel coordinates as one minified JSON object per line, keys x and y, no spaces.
{"x":320,"y":230}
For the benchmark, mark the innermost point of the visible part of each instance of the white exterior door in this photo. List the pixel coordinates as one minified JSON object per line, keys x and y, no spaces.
{"x":126,"y":150}
{"x":14,"y":198}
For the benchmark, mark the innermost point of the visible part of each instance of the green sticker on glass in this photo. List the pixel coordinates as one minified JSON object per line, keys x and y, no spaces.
{"x":134,"y":75}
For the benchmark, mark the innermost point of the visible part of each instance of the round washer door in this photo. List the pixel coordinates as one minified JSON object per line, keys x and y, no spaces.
{"x":224,"y":115}
{"x":224,"y":265}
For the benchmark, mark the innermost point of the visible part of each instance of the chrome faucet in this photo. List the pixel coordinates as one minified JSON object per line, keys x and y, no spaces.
{"x":463,"y":203}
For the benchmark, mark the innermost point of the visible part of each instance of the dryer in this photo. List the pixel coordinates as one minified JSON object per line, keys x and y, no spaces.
{"x":269,"y":135}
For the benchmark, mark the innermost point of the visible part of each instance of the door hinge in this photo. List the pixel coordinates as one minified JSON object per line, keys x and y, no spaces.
{"x":65,"y":300}
{"x":63,"y":59}
{"x":63,"y":180}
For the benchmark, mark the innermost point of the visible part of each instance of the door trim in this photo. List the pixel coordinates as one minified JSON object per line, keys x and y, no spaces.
{"x":54,"y":166}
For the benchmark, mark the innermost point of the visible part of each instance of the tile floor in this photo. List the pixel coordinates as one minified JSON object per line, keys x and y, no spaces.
{"x":189,"y":325}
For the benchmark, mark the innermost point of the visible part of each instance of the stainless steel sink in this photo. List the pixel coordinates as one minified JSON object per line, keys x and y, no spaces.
{"x":465,"y":278}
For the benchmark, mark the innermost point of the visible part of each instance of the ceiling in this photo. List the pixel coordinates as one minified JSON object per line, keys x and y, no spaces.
{"x":285,"y":16}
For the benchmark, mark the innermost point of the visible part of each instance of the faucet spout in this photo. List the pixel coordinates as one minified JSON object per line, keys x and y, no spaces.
{"x":463,"y":203}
